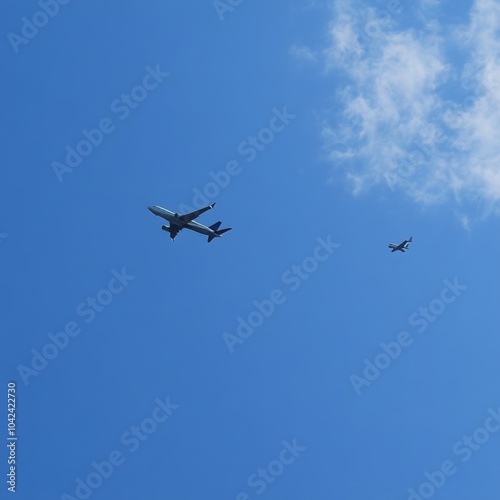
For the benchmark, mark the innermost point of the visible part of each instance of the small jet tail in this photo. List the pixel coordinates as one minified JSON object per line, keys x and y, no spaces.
{"x":411,"y":239}
{"x":218,"y":232}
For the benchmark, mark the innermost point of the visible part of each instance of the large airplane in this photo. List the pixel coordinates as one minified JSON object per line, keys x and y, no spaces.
{"x":179,"y":222}
{"x":402,"y":246}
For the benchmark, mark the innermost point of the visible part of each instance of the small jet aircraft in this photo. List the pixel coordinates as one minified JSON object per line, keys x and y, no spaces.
{"x":402,"y":246}
{"x":179,"y":222}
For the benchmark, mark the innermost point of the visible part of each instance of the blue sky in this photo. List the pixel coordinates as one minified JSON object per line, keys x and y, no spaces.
{"x":296,"y":357}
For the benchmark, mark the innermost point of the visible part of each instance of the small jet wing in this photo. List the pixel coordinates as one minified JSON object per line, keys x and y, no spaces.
{"x":192,"y":215}
{"x":172,"y":230}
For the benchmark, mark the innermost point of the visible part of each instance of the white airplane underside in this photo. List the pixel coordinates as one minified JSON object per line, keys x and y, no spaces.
{"x":179,"y":222}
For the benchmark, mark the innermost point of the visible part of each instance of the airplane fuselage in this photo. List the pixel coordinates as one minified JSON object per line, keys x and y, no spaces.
{"x":402,"y":246}
{"x":398,"y":247}
{"x":175,"y":219}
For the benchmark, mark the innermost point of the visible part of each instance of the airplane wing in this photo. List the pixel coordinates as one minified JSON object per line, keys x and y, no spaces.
{"x":173,"y":230}
{"x":192,"y":215}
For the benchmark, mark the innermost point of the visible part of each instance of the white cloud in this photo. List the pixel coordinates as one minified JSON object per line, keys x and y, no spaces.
{"x":400,"y":121}
{"x":303,"y":53}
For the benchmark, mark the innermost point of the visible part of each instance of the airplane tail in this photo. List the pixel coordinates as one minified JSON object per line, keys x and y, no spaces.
{"x":218,"y":232}
{"x":215,"y":226}
{"x":411,"y":239}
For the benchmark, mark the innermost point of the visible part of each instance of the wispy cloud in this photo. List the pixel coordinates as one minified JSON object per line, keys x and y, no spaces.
{"x":303,"y":53}
{"x":420,"y":106}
